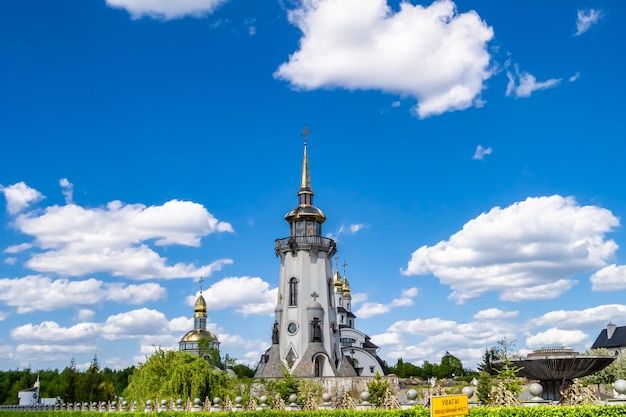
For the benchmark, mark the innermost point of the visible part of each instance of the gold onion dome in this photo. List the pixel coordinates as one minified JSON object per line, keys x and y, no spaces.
{"x":346,"y":288}
{"x":338,"y":281}
{"x":200,"y":306}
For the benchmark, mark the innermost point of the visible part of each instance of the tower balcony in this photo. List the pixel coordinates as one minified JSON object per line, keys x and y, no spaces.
{"x":295,"y":243}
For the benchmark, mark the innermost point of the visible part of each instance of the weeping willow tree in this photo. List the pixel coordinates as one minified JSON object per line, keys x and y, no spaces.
{"x":169,"y":375}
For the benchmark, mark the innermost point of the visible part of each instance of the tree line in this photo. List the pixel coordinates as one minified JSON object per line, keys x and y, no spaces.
{"x":68,"y":385}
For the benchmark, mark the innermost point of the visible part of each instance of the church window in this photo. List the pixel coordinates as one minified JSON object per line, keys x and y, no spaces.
{"x":319,"y":365}
{"x":330,"y":292}
{"x":291,"y":358}
{"x":347,"y":341}
{"x":293,"y":292}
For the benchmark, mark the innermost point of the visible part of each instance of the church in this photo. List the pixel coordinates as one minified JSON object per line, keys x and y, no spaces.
{"x":190,"y":342}
{"x":313,"y":333}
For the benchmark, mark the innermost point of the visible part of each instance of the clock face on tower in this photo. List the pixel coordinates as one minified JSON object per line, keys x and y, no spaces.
{"x":292,"y":327}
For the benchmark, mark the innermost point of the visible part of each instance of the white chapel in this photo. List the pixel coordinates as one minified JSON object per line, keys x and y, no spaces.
{"x":313,"y":333}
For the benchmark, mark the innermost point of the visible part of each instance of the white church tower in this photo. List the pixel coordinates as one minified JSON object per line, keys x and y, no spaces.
{"x":306,"y":336}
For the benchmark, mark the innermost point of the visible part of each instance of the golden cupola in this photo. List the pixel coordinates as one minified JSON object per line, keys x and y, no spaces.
{"x":346,"y":288}
{"x":338,"y":281}
{"x":190,"y":341}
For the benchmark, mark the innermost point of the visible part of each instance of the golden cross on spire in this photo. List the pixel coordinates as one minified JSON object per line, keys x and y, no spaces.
{"x":344,"y":269}
{"x":305,"y":133}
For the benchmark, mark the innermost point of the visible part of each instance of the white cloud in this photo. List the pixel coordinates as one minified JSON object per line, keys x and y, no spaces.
{"x":18,"y":248}
{"x":464,"y":340}
{"x":433,"y":54}
{"x":19,"y":196}
{"x":356,"y":227}
{"x":555,"y":337}
{"x":609,"y":278}
{"x":481,"y":152}
{"x":134,"y":294}
{"x":590,"y":318}
{"x":368,"y":310}
{"x":67,"y":188}
{"x":78,"y":241}
{"x":247,"y":295}
{"x":523,"y":84}
{"x":85,"y":314}
{"x":26,"y":293}
{"x":527,"y":251}
{"x":134,"y":324}
{"x":494,"y":314}
{"x":166,"y":9}
{"x":586,"y":19}
{"x":574,"y":77}
{"x":3,"y":315}
{"x":10,"y":260}
{"x":50,"y":331}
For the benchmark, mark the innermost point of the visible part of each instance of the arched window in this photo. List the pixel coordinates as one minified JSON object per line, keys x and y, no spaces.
{"x":319,"y":366}
{"x":293,"y":292}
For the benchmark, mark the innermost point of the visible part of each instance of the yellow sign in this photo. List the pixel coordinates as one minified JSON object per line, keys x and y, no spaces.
{"x":449,"y":405}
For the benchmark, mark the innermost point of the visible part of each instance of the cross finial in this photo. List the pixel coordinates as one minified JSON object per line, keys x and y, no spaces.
{"x":344,"y":268}
{"x":305,"y":133}
{"x":337,"y":263}
{"x":314,"y":295}
{"x":201,"y":281}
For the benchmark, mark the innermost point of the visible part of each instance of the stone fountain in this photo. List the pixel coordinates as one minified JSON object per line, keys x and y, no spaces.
{"x":555,"y":368}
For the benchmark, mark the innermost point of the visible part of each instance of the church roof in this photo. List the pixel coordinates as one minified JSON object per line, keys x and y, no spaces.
{"x":196,"y":335}
{"x":200,"y":306}
{"x":305,"y":210}
{"x":618,"y":339}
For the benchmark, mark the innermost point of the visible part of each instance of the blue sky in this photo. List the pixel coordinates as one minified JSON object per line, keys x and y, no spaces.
{"x":468,"y":156}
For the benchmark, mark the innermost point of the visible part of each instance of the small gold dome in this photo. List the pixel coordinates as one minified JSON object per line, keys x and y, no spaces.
{"x":305,"y":212}
{"x":200,"y":306}
{"x":346,"y":288}
{"x":338,"y":281}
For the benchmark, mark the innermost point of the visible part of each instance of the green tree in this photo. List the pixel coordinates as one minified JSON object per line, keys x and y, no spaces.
{"x":483,"y":389}
{"x":507,"y":372}
{"x":285,"y":386}
{"x":89,"y":382}
{"x":242,"y":371}
{"x":377,"y":388}
{"x":450,"y":367}
{"x":616,"y":370}
{"x":209,"y":353}
{"x":489,"y":358}
{"x":176,"y":374}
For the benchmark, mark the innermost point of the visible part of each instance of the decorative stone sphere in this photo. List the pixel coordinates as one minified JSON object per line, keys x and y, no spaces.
{"x":149,"y":402}
{"x":365,"y":395}
{"x":114,"y":403}
{"x":179,"y":402}
{"x":467,"y":391}
{"x":217,"y":400}
{"x":326,"y":397}
{"x":238,"y":400}
{"x":196,"y":401}
{"x":411,"y":394}
{"x":164,"y":402}
{"x":263,"y":399}
{"x":535,"y":389}
{"x":293,"y":398}
{"x":620,"y":386}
